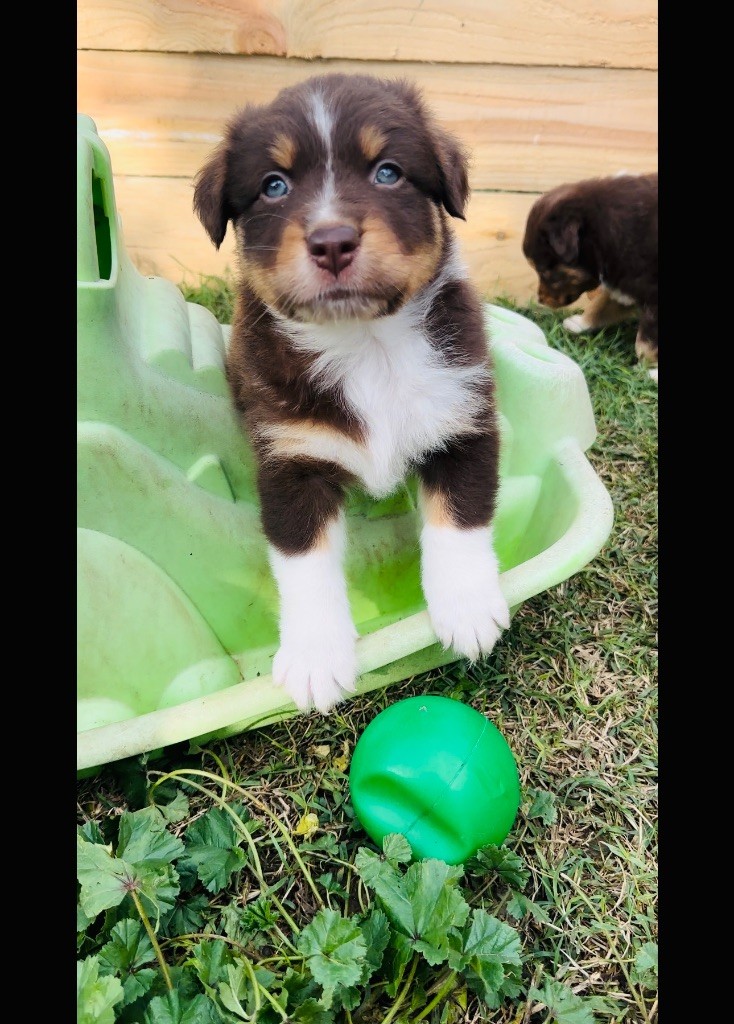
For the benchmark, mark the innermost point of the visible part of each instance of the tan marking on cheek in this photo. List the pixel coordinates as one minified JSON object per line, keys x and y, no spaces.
{"x":259,"y":280}
{"x":287,"y":274}
{"x":372,"y":140}
{"x":435,"y":508}
{"x":283,"y":151}
{"x":387,"y":263}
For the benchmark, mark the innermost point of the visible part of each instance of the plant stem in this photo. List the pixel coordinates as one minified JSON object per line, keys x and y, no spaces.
{"x":257,"y":868}
{"x":255,"y":985}
{"x":153,"y":940}
{"x":403,"y":992}
{"x":179,"y":772}
{"x":447,"y":987}
{"x":220,"y":764}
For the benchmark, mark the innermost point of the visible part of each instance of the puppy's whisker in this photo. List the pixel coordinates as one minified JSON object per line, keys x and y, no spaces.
{"x":275,"y":216}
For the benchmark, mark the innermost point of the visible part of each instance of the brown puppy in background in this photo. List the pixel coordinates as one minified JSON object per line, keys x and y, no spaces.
{"x":358,"y":354}
{"x":600,"y":235}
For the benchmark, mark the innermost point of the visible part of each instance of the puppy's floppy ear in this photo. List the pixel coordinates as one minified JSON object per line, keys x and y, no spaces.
{"x":563,"y":235}
{"x":453,"y":169}
{"x":210,"y":196}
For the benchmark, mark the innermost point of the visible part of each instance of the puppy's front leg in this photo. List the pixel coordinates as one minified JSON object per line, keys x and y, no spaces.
{"x":459,"y":569}
{"x":646,"y":343}
{"x":602,"y":311}
{"x":303,"y":519}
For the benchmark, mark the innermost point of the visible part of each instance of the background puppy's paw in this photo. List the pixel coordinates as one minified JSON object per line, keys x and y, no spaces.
{"x":653,"y":373}
{"x":317,"y":673}
{"x":576,"y":324}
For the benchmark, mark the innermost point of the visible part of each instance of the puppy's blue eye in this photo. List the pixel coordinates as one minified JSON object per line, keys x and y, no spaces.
{"x":275,"y":187}
{"x":387,"y":174}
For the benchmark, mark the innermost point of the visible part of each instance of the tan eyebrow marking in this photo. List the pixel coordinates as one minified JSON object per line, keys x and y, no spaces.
{"x":283,"y":151}
{"x":372,"y":141}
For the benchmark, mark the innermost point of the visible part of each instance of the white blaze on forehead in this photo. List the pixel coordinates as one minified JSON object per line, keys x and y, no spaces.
{"x":321,"y":118}
{"x":325,"y":208}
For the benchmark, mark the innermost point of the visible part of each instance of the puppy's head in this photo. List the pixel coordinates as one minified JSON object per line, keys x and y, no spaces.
{"x":553,"y":246}
{"x":336,"y":191}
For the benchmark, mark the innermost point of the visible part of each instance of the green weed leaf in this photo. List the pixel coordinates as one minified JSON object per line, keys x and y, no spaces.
{"x":83,"y":920}
{"x":157,"y":886}
{"x":236,"y":990}
{"x":145,"y":837}
{"x":91,"y":831}
{"x":397,"y":957}
{"x":376,"y":932}
{"x":187,"y":915}
{"x":96,"y":995}
{"x":487,"y":939}
{"x":488,"y":948}
{"x":507,"y":864}
{"x":210,"y":960}
{"x":175,"y":1009}
{"x":645,"y":969}
{"x":125,"y":954}
{"x":311,"y":1012}
{"x":518,"y":906}
{"x":104,"y":879}
{"x":177,"y":809}
{"x":213,"y":846}
{"x":564,"y":1005}
{"x":424,"y":903}
{"x":543,"y":807}
{"x":397,"y":849}
{"x":335,"y":950}
{"x":129,"y":947}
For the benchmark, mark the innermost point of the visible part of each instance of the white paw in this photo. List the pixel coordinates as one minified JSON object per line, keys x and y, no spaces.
{"x":576,"y":324}
{"x":318,"y":671}
{"x":317,"y":662}
{"x":461,"y":585}
{"x":653,"y":373}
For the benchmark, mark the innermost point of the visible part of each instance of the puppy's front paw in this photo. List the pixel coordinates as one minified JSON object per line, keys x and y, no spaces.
{"x":576,"y":324}
{"x":461,"y":585}
{"x":317,"y":671}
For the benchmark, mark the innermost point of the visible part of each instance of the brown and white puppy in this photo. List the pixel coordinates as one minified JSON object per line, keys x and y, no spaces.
{"x":358,"y":354}
{"x":600,"y":235}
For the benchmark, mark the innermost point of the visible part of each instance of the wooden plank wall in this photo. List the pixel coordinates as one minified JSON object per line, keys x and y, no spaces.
{"x":541,"y":92}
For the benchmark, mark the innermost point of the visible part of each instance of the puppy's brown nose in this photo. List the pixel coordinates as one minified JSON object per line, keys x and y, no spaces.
{"x":333,"y":248}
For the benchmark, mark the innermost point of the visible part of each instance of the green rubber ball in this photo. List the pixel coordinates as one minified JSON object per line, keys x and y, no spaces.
{"x":438,"y":772}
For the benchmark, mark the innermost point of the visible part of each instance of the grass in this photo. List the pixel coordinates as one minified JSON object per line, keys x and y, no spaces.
{"x":572,"y":685}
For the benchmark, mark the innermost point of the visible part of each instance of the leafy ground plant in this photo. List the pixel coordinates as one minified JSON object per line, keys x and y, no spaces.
{"x":233,"y":883}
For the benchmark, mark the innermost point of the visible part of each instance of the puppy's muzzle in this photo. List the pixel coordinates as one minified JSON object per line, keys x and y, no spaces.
{"x":556,"y":300}
{"x":334,"y":248}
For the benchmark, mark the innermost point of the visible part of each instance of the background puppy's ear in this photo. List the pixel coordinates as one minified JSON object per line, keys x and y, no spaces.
{"x":453,"y":169}
{"x":563,"y":235}
{"x":210,"y":196}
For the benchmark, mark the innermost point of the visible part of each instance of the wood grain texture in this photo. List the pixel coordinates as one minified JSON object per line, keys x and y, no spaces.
{"x":163,"y":236}
{"x":578,"y":33}
{"x":527,"y":128}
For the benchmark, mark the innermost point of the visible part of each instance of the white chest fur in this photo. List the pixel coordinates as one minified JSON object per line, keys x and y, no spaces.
{"x":409,"y":399}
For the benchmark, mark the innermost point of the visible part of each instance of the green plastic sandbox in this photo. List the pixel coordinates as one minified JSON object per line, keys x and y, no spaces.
{"x":177,"y":610}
